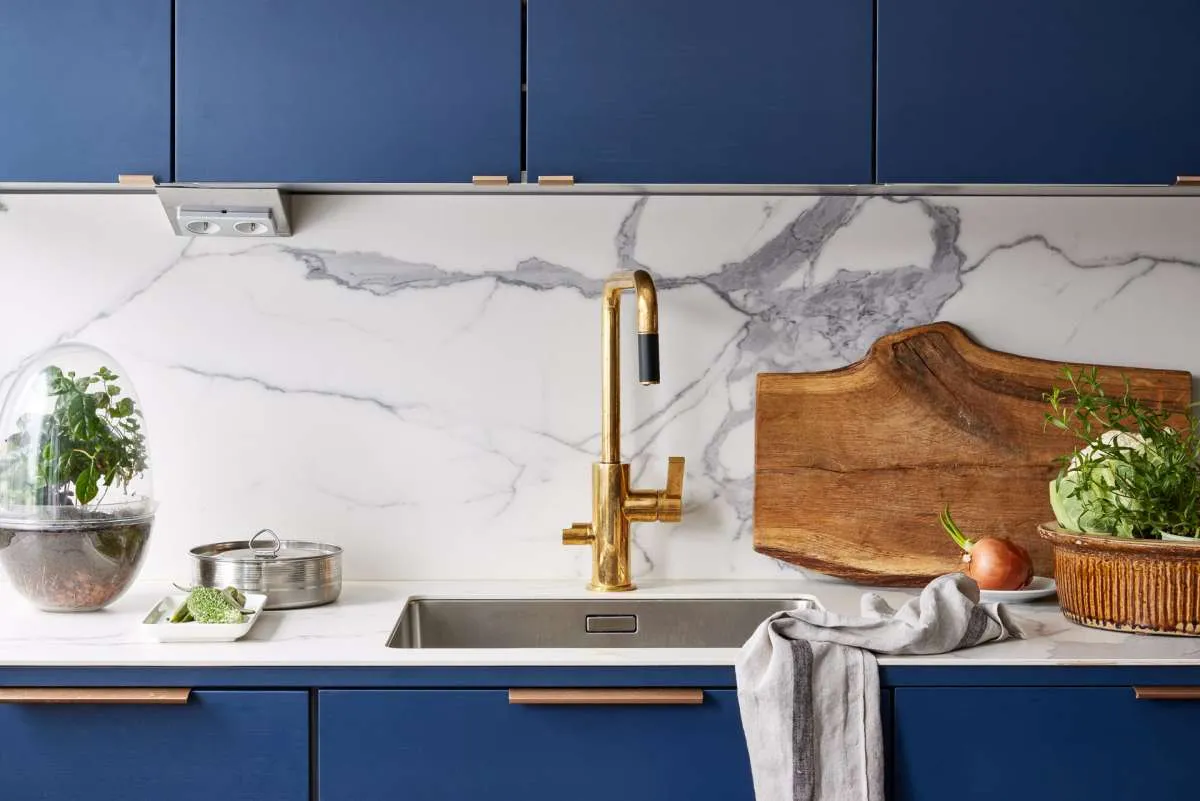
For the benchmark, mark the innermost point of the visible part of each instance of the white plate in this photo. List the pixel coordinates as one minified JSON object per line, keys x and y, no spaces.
{"x":1039,"y":587}
{"x":158,"y":625}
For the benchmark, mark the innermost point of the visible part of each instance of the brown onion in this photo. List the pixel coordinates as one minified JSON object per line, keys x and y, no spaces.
{"x":993,"y":562}
{"x":998,"y":564}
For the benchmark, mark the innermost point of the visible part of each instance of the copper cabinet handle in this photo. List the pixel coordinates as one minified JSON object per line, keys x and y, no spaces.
{"x":147,"y":181}
{"x":1167,"y":693}
{"x":94,"y":695}
{"x":592,"y":696}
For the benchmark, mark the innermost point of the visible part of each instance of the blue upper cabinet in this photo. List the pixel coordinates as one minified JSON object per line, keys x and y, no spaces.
{"x":1038,"y":91}
{"x":347,"y":91}
{"x":85,"y":90}
{"x":700,"y":91}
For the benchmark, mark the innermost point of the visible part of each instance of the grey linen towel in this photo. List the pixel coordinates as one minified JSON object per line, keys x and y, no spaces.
{"x":808,"y":686}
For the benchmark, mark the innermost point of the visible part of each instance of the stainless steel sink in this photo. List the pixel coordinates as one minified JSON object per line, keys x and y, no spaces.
{"x":584,"y":623}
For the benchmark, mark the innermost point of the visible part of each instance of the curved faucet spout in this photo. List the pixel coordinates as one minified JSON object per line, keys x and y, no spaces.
{"x":647,"y":297}
{"x":648,"y":364}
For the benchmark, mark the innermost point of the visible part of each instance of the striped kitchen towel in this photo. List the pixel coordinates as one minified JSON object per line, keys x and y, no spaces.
{"x":808,"y":686}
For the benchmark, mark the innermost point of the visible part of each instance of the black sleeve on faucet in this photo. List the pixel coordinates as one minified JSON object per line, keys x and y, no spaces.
{"x":648,"y":358}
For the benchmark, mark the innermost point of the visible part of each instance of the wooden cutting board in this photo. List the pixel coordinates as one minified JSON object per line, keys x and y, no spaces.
{"x":853,"y":466}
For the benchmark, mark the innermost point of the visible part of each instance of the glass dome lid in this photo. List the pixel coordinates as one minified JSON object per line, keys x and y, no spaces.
{"x":73,"y":448}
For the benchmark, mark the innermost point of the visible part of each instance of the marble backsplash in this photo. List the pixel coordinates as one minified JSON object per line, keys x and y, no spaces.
{"x":416,"y":378}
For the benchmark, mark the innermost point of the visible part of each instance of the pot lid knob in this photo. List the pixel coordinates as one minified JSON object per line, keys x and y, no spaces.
{"x":271,"y":550}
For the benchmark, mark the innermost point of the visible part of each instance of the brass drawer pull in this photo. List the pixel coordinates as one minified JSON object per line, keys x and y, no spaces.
{"x":556,"y":180}
{"x":615,"y":696}
{"x":1167,"y":693}
{"x":94,"y":695}
{"x":1187,"y":180}
{"x":146,"y":181}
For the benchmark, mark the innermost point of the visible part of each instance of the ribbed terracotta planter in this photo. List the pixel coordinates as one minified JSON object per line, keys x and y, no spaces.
{"x":1146,"y":586}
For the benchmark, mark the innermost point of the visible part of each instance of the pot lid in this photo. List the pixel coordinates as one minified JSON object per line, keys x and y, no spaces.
{"x":265,"y":546}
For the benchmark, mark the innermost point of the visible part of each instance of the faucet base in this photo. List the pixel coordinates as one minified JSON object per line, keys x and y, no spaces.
{"x":630,"y":587}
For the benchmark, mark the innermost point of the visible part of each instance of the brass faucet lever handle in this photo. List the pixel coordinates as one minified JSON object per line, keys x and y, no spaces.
{"x":578,"y":534}
{"x":664,"y":506}
{"x":670,"y":504}
{"x":675,"y":476}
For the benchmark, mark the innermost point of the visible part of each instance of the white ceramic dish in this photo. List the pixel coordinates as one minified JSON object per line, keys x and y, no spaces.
{"x":158,"y":625}
{"x":1039,"y":587}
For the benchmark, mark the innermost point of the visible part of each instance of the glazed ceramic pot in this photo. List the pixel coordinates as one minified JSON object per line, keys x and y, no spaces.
{"x":1144,"y":586}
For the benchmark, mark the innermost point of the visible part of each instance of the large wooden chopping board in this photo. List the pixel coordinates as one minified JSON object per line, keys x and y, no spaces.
{"x":852,"y":466}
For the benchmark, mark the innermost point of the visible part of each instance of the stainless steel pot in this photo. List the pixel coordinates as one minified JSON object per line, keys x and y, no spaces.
{"x":292,"y":573}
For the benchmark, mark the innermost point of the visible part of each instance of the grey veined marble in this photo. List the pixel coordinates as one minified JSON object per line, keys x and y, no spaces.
{"x":417,"y":378}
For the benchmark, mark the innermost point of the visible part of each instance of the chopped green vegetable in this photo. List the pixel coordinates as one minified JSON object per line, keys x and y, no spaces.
{"x":210,"y":605}
{"x":182,"y":614}
{"x":237,"y":596}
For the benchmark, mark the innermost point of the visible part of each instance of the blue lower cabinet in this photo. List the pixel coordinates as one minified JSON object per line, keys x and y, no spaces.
{"x":85,"y":90}
{"x":1041,"y":744}
{"x":226,"y":746}
{"x":452,"y":745}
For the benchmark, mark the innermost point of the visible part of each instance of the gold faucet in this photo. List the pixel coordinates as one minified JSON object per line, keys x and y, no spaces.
{"x":614,"y":504}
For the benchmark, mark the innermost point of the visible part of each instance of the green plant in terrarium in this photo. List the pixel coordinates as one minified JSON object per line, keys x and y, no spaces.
{"x":90,"y":442}
{"x":76,"y":504}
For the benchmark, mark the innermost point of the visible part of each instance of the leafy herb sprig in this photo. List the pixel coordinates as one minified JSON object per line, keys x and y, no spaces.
{"x":90,"y":442}
{"x":1137,"y":472}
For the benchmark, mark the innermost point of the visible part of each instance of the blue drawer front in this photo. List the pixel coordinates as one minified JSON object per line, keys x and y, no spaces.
{"x":1038,"y":91}
{"x":452,"y":745}
{"x":700,"y":91}
{"x":85,"y":89}
{"x":1040,"y":744}
{"x":353,"y":91}
{"x":232,"y":746}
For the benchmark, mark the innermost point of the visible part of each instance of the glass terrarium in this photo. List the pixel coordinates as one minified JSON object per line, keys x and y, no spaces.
{"x":76,"y":503}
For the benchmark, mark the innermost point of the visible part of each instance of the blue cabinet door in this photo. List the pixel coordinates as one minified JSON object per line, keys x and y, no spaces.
{"x":1038,"y":91}
{"x":700,"y":91}
{"x":1040,"y":744}
{"x":472,"y":745}
{"x":349,"y":91}
{"x":231,"y":746}
{"x":85,"y":90}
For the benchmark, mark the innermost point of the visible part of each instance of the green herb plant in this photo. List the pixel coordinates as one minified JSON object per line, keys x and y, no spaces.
{"x":91,"y":442}
{"x":1137,"y":471}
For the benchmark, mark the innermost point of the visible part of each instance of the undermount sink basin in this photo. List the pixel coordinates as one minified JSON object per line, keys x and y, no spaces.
{"x":585,"y":623}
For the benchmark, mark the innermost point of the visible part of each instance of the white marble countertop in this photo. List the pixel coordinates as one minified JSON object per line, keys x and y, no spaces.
{"x":352,"y":633}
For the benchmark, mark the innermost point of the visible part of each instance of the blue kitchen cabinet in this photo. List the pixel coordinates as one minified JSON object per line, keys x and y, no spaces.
{"x":446,"y":745}
{"x":1041,"y":744}
{"x":294,"y":91}
{"x":1038,"y":91}
{"x":700,"y":91}
{"x":232,"y":746}
{"x":85,"y":90}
